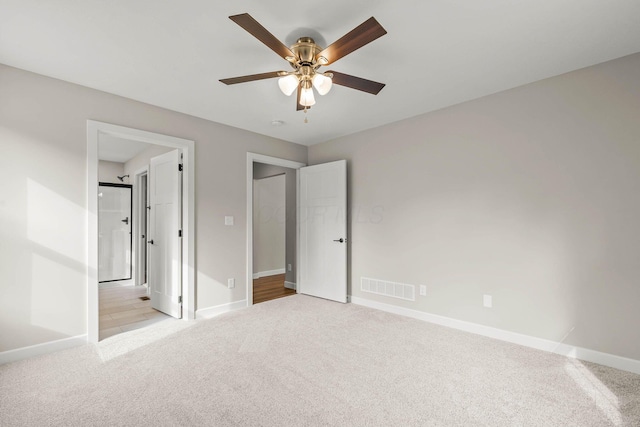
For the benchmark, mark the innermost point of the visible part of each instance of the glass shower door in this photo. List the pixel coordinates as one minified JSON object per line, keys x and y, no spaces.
{"x":114,"y":232}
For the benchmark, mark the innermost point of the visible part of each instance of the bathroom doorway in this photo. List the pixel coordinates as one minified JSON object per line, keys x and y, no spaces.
{"x":114,"y":232}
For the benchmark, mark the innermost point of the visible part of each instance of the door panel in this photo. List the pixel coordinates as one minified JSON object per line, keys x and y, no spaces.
{"x":164,"y":243}
{"x":323,"y":222}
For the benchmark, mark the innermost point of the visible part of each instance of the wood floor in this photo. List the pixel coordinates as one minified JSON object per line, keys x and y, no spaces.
{"x":122,"y":310}
{"x":270,"y":287}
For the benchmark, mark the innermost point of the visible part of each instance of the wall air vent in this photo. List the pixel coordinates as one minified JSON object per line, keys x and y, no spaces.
{"x":388,"y":289}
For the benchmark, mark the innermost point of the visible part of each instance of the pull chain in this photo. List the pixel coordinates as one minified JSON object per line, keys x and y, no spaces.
{"x":306,"y":119}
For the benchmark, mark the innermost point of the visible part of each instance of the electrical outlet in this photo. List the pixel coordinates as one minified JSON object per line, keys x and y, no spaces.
{"x":231,"y":283}
{"x":228,"y":220}
{"x":289,"y":267}
{"x":487,"y":301}
{"x":423,"y":290}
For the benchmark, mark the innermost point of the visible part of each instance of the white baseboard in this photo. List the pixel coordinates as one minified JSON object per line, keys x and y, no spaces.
{"x":40,"y":349}
{"x":606,"y":359}
{"x":289,"y":285}
{"x":209,"y":312}
{"x":269,"y":273}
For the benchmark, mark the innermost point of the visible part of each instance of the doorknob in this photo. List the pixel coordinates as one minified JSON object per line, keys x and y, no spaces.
{"x":126,"y":220}
{"x":340,"y":240}
{"x":150,"y":242}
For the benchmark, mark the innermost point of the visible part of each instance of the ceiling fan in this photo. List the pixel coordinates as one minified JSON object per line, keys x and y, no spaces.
{"x":306,"y":57}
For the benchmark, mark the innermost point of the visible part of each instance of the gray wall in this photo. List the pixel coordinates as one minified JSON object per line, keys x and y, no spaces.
{"x":110,"y":171}
{"x":143,"y":159}
{"x":43,"y":200}
{"x":530,"y":195}
{"x":261,"y":170}
{"x":269,"y":225}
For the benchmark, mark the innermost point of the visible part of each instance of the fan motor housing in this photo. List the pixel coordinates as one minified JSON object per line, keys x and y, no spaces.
{"x":306,"y":50}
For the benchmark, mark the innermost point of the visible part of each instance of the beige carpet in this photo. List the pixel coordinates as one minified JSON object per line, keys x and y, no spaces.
{"x":302,"y":361}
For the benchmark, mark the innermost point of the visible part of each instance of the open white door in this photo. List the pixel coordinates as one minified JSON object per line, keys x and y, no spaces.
{"x":164,"y":229}
{"x":323,"y":231}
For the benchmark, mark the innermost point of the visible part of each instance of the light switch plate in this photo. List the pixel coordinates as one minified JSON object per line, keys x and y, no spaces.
{"x":228,"y":220}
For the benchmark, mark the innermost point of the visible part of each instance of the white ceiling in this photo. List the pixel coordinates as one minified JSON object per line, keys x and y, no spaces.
{"x":437,"y":53}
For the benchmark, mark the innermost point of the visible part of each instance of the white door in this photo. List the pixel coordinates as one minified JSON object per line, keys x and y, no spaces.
{"x":164,"y":226}
{"x":323,"y":231}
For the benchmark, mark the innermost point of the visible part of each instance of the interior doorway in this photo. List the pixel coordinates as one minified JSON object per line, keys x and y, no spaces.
{"x":321,"y":227}
{"x":114,"y":232}
{"x":150,"y":236}
{"x":274,"y":232}
{"x":271,"y":219}
{"x":269,"y":222}
{"x":99,"y":133}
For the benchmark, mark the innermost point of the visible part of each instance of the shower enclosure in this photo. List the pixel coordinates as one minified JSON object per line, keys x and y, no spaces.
{"x":114,"y":232}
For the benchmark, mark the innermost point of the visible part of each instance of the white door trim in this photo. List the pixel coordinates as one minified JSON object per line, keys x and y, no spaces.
{"x":94,"y":130}
{"x":138,"y":212}
{"x":275,"y":161}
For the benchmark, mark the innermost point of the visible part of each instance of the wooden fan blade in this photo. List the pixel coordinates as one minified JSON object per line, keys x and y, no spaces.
{"x":364,"y":33}
{"x":354,"y":82}
{"x":254,"y":28}
{"x":252,"y":77}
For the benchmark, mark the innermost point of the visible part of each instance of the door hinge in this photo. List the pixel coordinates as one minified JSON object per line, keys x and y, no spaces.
{"x":179,"y":233}
{"x":180,"y":299}
{"x":179,"y":167}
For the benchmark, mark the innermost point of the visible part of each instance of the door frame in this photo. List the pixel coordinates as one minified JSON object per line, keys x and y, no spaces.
{"x":131,"y":279}
{"x":138,"y":212}
{"x":275,"y":161}
{"x":94,"y":130}
{"x":256,"y":196}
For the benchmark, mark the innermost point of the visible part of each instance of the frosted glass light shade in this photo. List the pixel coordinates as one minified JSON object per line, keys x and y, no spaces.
{"x":322,"y":83}
{"x":288,"y":84}
{"x":306,"y":97}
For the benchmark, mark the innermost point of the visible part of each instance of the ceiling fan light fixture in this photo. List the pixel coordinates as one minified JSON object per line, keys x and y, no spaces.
{"x":288,"y":84}
{"x":322,"y":83}
{"x":306,"y":97}
{"x":305,"y":57}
